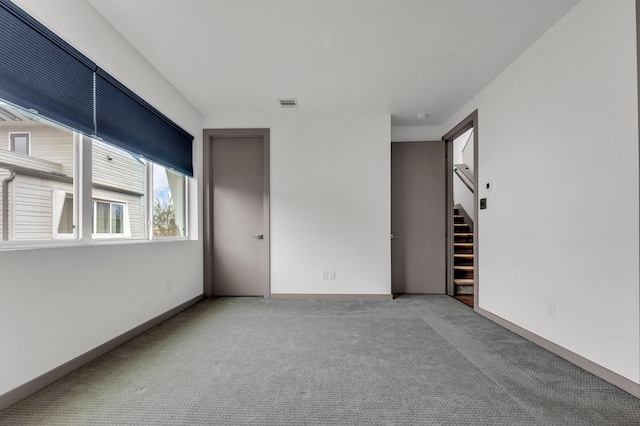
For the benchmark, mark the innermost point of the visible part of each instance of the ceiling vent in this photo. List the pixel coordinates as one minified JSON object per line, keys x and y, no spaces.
{"x":288,"y":103}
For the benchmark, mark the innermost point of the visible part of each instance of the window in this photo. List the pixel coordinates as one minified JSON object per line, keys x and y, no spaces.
{"x":37,"y":172}
{"x":20,"y":143}
{"x":63,"y":214}
{"x":45,"y":115}
{"x":131,"y":198}
{"x":108,"y":218}
{"x":168,"y":203}
{"x":118,"y":175}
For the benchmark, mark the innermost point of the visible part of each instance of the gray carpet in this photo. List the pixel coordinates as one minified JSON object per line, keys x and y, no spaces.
{"x":425,"y":360}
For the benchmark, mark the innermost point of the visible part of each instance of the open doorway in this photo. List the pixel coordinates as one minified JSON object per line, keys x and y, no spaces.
{"x":462,"y":210}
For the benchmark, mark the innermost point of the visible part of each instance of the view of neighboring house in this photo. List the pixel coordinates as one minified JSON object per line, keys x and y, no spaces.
{"x":37,"y":175}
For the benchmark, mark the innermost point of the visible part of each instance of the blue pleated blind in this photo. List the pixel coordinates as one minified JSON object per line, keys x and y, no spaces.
{"x":126,"y":120}
{"x":41,"y":72}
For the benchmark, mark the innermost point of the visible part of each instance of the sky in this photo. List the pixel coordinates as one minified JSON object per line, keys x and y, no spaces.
{"x":161,"y":189}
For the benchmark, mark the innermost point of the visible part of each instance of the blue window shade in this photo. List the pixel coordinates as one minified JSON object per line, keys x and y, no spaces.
{"x":39,"y":71}
{"x":127,"y":121}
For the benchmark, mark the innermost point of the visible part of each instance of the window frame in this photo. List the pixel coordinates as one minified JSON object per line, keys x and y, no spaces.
{"x":111,"y":203}
{"x":11,"y":140}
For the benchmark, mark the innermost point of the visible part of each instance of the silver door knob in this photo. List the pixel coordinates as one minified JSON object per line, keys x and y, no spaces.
{"x":259,"y":237}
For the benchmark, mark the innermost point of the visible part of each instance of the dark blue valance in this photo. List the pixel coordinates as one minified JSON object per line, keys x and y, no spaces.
{"x":42,"y":73}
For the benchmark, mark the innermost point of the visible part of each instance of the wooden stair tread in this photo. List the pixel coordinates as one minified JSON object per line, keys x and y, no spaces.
{"x":464,"y":267}
{"x":464,"y":259}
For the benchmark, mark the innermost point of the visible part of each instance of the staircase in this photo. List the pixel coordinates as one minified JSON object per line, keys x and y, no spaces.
{"x":463,"y":258}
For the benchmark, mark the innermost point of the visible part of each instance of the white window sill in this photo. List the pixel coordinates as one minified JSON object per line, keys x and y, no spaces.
{"x":100,"y":241}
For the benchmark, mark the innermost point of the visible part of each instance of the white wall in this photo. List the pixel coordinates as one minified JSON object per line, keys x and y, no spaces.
{"x":59,"y":303}
{"x":559,"y":231}
{"x":330,"y":200}
{"x":416,"y":133}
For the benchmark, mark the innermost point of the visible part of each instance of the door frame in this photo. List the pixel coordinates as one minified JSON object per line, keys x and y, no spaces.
{"x":208,"y":136}
{"x":471,"y":121}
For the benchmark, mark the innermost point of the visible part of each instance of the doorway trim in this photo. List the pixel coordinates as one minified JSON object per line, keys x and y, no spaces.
{"x":208,"y":136}
{"x":471,"y":121}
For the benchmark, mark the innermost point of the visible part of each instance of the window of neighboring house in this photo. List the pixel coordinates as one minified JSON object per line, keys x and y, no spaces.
{"x":108,"y":218}
{"x":20,"y":143}
{"x":63,"y":214}
{"x":118,"y":175}
{"x":66,"y":219}
{"x":169,"y":204}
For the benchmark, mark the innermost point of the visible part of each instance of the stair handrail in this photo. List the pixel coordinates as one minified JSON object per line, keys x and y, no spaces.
{"x":469,"y":139}
{"x":464,"y":174}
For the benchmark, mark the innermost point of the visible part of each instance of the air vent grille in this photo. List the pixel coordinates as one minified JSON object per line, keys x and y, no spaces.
{"x":288,"y":102}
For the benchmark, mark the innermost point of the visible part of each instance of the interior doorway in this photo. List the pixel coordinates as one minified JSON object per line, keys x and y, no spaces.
{"x":236,"y":212}
{"x":418,"y":220}
{"x":462,"y":211}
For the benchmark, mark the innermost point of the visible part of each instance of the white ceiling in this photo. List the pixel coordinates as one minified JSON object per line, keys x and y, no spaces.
{"x":400,"y":57}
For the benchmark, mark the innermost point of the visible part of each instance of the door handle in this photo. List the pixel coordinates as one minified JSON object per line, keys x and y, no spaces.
{"x":258,"y":237}
{"x":394,"y":237}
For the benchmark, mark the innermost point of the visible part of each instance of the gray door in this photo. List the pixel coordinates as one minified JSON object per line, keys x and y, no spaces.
{"x":240,"y":248}
{"x":418,"y":217}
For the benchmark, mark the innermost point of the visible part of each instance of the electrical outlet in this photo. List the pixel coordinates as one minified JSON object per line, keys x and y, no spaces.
{"x":168,"y":287}
{"x":332,"y":275}
{"x":325,"y":275}
{"x":551,"y":310}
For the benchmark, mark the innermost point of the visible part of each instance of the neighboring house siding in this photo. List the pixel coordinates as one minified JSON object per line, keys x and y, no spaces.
{"x":31,"y":210}
{"x":123,"y":171}
{"x":50,"y":143}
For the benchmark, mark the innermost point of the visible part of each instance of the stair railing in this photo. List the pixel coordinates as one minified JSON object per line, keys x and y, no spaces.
{"x":464,"y":174}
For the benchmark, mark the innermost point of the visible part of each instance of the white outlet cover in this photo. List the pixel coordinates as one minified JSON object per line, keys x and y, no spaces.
{"x":551,"y":310}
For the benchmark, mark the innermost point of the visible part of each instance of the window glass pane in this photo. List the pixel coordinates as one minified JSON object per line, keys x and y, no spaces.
{"x":117,"y":218}
{"x":168,"y":203}
{"x":37,"y":163}
{"x":118,"y":179}
{"x":20,"y":143}
{"x":66,"y":217}
{"x":102,"y":212}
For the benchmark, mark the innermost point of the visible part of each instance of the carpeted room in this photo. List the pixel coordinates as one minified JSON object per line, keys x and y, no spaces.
{"x":411,"y":360}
